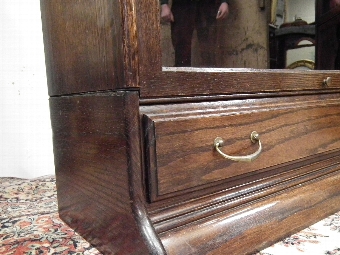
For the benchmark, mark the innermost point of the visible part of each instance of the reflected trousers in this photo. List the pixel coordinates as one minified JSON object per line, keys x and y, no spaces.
{"x":190,"y":15}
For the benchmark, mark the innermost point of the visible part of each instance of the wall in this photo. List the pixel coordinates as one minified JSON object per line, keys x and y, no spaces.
{"x":245,"y":34}
{"x":304,"y":9}
{"x":26,"y":136}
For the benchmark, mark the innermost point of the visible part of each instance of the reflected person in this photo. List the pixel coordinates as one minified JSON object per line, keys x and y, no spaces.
{"x":185,"y":16}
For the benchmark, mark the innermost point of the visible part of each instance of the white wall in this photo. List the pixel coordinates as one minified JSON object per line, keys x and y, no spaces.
{"x":26,"y":137}
{"x":304,"y":9}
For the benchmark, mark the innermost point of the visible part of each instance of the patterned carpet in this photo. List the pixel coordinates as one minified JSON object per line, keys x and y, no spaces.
{"x":29,"y":220}
{"x":30,"y":225}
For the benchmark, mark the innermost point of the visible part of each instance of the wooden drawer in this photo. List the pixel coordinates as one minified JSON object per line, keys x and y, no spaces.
{"x":179,"y":151}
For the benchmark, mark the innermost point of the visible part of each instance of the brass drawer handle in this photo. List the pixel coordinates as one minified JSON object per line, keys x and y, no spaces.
{"x":254,"y":137}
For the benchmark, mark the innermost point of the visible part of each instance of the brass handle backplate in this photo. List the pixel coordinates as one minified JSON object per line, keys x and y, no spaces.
{"x":254,"y":137}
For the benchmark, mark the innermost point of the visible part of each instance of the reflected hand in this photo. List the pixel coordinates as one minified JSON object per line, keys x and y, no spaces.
{"x":223,"y":11}
{"x":166,"y":14}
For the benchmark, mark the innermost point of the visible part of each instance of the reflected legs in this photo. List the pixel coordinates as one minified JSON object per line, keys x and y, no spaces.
{"x":189,"y":15}
{"x":182,"y":29}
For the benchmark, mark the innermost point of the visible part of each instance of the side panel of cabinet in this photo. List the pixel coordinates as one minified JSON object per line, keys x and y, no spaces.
{"x":98,"y":171}
{"x":85,"y":45}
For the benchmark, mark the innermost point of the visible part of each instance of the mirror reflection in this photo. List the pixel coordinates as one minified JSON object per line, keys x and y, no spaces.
{"x":187,"y":16}
{"x":276,"y":34}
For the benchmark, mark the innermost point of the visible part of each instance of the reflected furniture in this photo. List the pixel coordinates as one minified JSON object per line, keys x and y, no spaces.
{"x":155,"y":160}
{"x":288,"y":38}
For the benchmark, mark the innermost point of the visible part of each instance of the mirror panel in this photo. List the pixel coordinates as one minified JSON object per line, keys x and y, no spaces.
{"x":158,"y":80}
{"x":257,"y":34}
{"x":239,"y":41}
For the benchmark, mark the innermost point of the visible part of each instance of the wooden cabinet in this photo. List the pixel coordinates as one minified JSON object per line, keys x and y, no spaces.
{"x":136,"y":165}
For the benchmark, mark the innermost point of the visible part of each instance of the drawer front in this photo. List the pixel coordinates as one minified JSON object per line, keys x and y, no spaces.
{"x":180,"y":155}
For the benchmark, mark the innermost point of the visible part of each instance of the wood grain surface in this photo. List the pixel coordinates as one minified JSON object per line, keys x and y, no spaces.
{"x":133,"y":141}
{"x":250,"y":228}
{"x":98,"y":171}
{"x":85,"y":45}
{"x":182,"y":137}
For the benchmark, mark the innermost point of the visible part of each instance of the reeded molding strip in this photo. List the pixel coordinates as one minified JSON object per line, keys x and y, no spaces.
{"x":191,"y":211}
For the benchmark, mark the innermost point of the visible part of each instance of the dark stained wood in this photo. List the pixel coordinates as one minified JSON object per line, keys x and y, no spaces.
{"x":98,"y":171}
{"x":84,"y":46}
{"x":256,"y":225}
{"x":238,"y":193}
{"x":182,"y":136}
{"x":148,"y":39}
{"x":270,"y":179}
{"x":133,"y":142}
{"x":176,"y":82}
{"x":130,"y":43}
